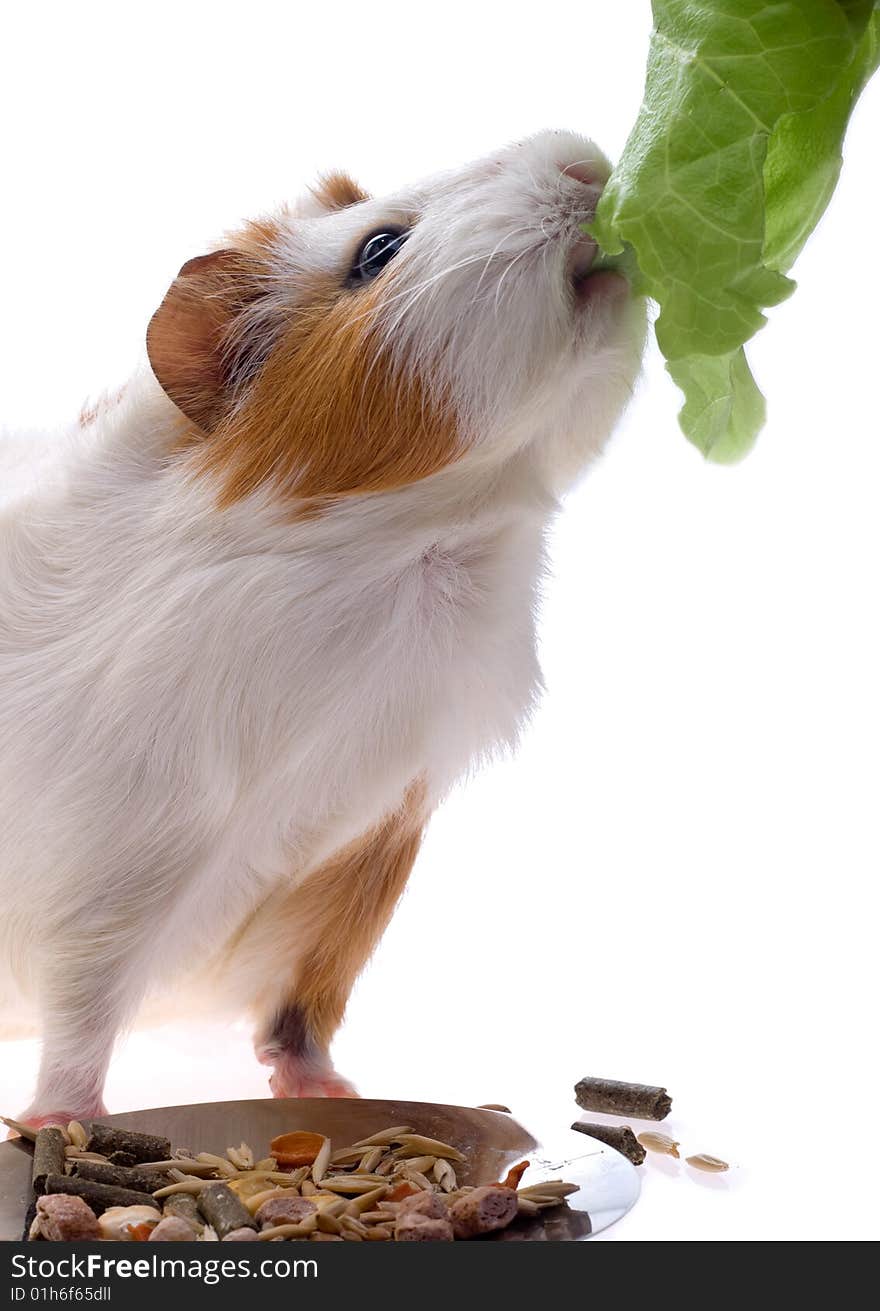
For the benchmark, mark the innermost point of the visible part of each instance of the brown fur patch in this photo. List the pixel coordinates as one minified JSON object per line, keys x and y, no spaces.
{"x":337,"y":191}
{"x":328,"y":414}
{"x":331,"y":924}
{"x":325,"y":414}
{"x":259,"y":236}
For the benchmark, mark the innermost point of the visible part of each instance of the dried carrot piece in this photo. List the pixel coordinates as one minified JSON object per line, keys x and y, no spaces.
{"x":298,"y":1148}
{"x":402,"y":1190}
{"x":514,"y":1174}
{"x":140,"y":1233}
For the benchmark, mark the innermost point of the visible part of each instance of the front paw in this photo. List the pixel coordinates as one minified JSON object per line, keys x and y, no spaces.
{"x":40,"y":1119}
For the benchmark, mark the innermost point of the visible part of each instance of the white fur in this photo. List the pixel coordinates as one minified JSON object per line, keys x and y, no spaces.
{"x":195,"y":705}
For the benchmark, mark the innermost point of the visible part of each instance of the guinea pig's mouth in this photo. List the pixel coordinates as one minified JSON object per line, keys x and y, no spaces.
{"x":584,"y":277}
{"x":580,"y":258}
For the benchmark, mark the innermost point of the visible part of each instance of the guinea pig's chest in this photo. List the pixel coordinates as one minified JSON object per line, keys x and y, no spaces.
{"x":423,"y":664}
{"x":471,"y":630}
{"x":390,"y":674}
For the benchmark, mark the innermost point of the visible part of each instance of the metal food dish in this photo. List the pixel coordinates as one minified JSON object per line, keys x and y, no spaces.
{"x":491,"y":1140}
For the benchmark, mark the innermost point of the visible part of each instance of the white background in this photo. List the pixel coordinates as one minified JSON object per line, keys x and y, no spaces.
{"x":675,"y":881}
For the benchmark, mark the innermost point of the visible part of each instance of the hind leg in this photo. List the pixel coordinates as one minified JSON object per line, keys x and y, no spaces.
{"x":312,"y":941}
{"x":300,"y":1061}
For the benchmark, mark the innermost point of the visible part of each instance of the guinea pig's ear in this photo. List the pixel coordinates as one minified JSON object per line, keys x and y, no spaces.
{"x":188,"y":338}
{"x":332,"y":192}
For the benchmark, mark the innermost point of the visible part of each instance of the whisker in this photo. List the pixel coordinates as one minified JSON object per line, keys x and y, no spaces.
{"x":422,"y":286}
{"x":512,"y":263}
{"x":415,"y":293}
{"x":514,"y":233}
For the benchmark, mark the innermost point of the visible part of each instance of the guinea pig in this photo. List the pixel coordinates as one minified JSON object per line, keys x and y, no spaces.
{"x":262,"y":608}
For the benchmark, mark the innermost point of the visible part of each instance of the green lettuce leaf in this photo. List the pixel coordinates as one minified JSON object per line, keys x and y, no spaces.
{"x":733,"y":158}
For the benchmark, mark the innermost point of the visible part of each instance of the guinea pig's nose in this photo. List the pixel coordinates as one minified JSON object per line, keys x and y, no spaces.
{"x":583,"y":171}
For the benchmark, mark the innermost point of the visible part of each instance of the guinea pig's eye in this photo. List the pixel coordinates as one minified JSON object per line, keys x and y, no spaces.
{"x":374,"y":252}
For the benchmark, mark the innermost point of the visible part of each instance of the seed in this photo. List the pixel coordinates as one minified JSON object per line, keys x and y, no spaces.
{"x":370,"y":1160}
{"x":430,"y":1146}
{"x":179,"y":1163}
{"x":246,"y":1186}
{"x":385,"y":1137}
{"x":301,"y":1230}
{"x":77,"y":1134}
{"x":220,"y":1163}
{"x":350,"y":1183}
{"x":417,"y":1178}
{"x":321,"y":1161}
{"x":278,"y":1177}
{"x":366,"y":1201}
{"x":549,"y":1188}
{"x":420,"y":1163}
{"x":185,"y":1186}
{"x":659,"y":1142}
{"x":328,"y":1224}
{"x":349,"y":1155}
{"x":254,"y":1203}
{"x":377,"y":1234}
{"x":24,"y":1130}
{"x":525,"y":1206}
{"x":709,"y":1163}
{"x":444,"y":1175}
{"x":285,"y":1180}
{"x":241,"y":1157}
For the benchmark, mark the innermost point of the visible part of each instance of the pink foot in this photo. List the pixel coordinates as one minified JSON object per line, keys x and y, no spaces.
{"x":57,"y":1117}
{"x":53,"y":1117}
{"x":311,"y":1085}
{"x":293,"y":1077}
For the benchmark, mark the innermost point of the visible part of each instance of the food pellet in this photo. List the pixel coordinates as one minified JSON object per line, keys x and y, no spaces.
{"x":223,"y":1210}
{"x":124,"y":1186}
{"x":620,"y":1137}
{"x":114,"y":1143}
{"x":612,"y":1097}
{"x":49,"y":1156}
